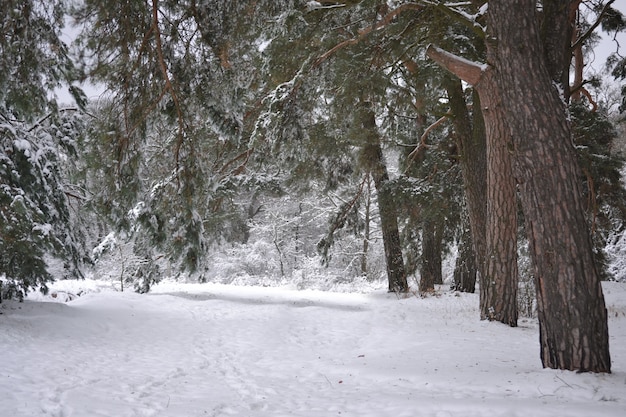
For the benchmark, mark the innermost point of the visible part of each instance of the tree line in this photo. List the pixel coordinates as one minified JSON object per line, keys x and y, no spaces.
{"x":418,"y":124}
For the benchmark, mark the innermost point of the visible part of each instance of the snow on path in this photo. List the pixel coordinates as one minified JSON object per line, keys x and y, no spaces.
{"x":214,"y":350}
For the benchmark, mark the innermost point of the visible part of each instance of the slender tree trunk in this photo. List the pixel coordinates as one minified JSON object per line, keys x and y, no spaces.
{"x":465,"y":268}
{"x":373,"y":160}
{"x":366,"y":232}
{"x":388,"y":223}
{"x":571,"y":310}
{"x":438,"y":243}
{"x":430,"y":271}
{"x":471,"y":145}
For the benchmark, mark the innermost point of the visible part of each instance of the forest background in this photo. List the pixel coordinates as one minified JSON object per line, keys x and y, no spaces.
{"x":297,"y":143}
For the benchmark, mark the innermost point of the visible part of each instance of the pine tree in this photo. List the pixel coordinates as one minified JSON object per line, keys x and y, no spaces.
{"x":182,"y":84}
{"x":601,"y":166}
{"x":35,"y":219}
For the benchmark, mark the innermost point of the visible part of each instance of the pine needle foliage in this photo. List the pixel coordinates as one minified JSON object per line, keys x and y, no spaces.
{"x":35,"y":139}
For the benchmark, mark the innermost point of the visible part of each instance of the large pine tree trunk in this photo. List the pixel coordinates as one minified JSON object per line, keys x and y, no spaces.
{"x":499,"y":288}
{"x":557,"y":21}
{"x":571,"y":310}
{"x":498,"y":256}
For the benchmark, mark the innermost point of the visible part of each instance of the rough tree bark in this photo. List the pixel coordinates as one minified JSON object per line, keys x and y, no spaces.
{"x":571,"y":309}
{"x":499,"y":288}
{"x":556,"y":29}
{"x":498,"y":284}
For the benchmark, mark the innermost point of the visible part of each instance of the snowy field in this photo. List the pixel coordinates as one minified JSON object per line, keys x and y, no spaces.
{"x":214,"y":350}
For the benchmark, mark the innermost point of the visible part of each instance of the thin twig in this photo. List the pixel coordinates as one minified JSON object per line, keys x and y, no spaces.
{"x":422,"y":143}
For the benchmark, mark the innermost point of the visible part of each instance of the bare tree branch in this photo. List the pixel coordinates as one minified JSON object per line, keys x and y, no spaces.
{"x":422,"y":143}
{"x":593,"y":27}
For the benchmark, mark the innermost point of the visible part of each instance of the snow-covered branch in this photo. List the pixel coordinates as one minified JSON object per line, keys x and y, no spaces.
{"x":468,"y":71}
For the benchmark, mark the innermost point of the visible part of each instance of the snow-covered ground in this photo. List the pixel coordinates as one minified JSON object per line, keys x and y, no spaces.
{"x":215,"y":350}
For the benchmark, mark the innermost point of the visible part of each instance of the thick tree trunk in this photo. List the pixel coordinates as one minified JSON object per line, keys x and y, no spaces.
{"x":499,"y":286}
{"x":499,"y":276}
{"x":556,"y":27}
{"x":571,"y":310}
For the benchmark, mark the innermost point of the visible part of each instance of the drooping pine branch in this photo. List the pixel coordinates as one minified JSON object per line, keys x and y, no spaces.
{"x":168,"y":82}
{"x":386,"y":20}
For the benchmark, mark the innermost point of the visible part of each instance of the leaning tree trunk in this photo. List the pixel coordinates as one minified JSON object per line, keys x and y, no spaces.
{"x":388,"y":221}
{"x":571,"y":309}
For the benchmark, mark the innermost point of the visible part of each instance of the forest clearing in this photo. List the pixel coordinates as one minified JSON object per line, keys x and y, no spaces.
{"x":192,"y":350}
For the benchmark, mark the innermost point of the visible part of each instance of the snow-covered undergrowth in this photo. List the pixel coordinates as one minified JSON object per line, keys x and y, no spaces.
{"x":616,"y":251}
{"x":189,"y":350}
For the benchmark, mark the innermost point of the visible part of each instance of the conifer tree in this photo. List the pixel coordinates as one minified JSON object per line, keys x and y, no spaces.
{"x":35,"y":221}
{"x":182,"y":81}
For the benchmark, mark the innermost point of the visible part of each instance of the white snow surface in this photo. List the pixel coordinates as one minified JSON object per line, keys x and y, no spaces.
{"x":216,"y":350}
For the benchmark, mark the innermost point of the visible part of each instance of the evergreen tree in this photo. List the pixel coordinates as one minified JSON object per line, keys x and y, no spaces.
{"x":357,"y":64}
{"x":36,"y":140}
{"x":601,"y":166}
{"x":183,"y":82}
